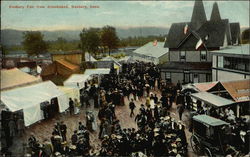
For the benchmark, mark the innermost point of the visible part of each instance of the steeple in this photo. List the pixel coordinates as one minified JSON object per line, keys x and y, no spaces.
{"x":215,"y":15}
{"x":199,"y":15}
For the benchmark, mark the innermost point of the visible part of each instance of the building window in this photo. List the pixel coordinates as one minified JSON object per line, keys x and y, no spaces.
{"x":220,"y":61}
{"x":196,"y":78}
{"x":241,"y":64}
{"x":186,"y":77}
{"x":182,"y":56}
{"x":208,"y":77}
{"x":168,"y":76}
{"x":203,"y":56}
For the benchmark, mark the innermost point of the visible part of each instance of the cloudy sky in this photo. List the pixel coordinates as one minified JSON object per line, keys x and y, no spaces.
{"x":119,"y":14}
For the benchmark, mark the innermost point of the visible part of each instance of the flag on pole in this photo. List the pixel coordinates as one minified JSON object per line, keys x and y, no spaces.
{"x":206,"y":37}
{"x":198,"y":44}
{"x":155,"y":43}
{"x":185,"y":29}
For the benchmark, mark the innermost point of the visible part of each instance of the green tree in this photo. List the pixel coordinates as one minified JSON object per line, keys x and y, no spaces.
{"x":33,"y":43}
{"x":4,"y":50}
{"x":245,"y":37}
{"x":90,"y":41}
{"x":109,"y":38}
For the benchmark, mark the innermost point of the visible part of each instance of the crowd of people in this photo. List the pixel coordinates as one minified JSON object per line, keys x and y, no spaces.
{"x":58,"y":145}
{"x":158,"y":133}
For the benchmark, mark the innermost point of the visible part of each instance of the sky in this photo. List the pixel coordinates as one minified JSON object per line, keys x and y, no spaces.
{"x":122,"y":14}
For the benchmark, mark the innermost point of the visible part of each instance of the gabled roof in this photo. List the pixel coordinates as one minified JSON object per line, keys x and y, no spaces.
{"x":176,"y":34}
{"x":15,"y":78}
{"x":203,"y":87}
{"x":68,"y":65}
{"x":239,"y":90}
{"x":150,"y":50}
{"x":215,"y":15}
{"x":235,"y":32}
{"x":215,"y":30}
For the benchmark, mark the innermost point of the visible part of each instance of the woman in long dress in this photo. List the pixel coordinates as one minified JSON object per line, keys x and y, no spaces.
{"x":90,"y":121}
{"x":76,"y":105}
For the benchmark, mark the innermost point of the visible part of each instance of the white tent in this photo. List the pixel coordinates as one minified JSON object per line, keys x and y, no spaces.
{"x":97,"y":71}
{"x":111,"y":59}
{"x":70,"y":92}
{"x":30,"y":97}
{"x":126,"y":59}
{"x":150,"y":52}
{"x":89,"y":58}
{"x":76,"y":80}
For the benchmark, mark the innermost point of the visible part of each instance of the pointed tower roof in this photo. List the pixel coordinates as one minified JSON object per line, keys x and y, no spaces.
{"x":199,"y":15}
{"x":215,"y":15}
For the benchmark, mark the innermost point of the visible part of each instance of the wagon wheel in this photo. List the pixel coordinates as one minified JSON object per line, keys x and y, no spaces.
{"x":207,"y":152}
{"x":195,"y":144}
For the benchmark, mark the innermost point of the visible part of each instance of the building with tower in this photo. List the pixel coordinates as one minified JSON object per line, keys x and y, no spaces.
{"x":190,"y":45}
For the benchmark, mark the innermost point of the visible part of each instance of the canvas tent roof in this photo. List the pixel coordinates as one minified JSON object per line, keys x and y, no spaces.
{"x":76,"y":80}
{"x":211,"y":121}
{"x":15,"y":77}
{"x":97,"y":71}
{"x":125,"y":59}
{"x":212,"y":99}
{"x":150,"y":50}
{"x":89,"y":58}
{"x":30,"y":97}
{"x":70,"y":92}
{"x":109,"y":58}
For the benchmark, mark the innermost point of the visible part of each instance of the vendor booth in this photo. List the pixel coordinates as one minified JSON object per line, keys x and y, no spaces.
{"x":76,"y":81}
{"x":214,"y":101}
{"x":97,"y":74}
{"x":70,"y":92}
{"x":31,"y":99}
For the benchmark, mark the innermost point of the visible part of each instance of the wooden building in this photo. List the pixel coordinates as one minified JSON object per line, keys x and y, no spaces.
{"x":190,"y":45}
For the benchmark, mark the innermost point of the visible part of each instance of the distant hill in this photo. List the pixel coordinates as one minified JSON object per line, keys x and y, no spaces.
{"x":15,"y":37}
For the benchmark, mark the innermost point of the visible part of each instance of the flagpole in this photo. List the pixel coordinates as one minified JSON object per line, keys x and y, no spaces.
{"x":201,"y":40}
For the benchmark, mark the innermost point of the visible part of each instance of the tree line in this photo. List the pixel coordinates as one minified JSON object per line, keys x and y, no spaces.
{"x":91,"y":40}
